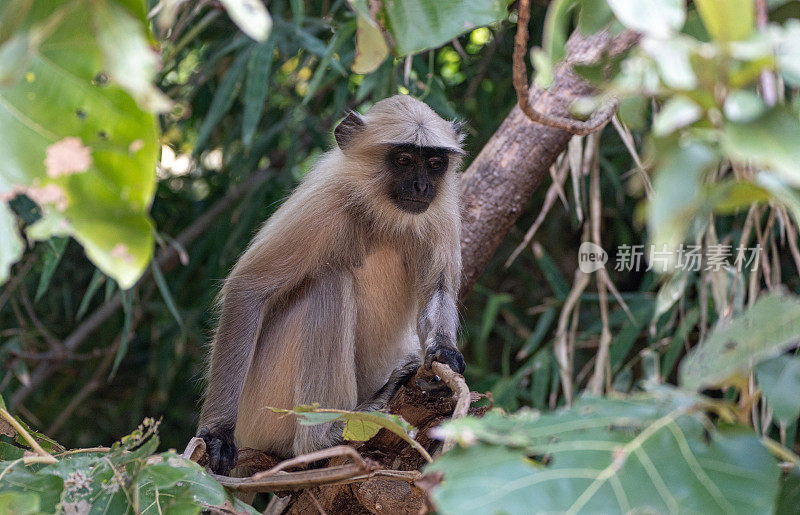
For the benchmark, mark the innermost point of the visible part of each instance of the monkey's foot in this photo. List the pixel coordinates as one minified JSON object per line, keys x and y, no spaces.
{"x":445,"y":354}
{"x":222,"y":452}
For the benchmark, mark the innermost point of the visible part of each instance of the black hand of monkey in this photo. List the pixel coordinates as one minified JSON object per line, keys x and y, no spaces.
{"x":221,"y":450}
{"x":446,"y":354}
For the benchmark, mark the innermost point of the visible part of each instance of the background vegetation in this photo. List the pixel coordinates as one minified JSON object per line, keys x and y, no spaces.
{"x":704,"y":151}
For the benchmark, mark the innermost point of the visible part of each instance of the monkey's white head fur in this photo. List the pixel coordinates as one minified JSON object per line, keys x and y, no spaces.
{"x":359,"y":161}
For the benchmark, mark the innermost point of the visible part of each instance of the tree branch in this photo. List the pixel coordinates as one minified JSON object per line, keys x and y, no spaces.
{"x":499,"y":183}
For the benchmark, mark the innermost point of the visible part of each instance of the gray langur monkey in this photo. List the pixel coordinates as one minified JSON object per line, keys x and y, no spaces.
{"x":338,"y":292}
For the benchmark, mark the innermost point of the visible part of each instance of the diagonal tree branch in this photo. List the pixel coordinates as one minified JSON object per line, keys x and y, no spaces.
{"x":499,"y":183}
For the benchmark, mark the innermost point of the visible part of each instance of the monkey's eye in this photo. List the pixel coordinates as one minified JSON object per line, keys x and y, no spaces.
{"x":435,"y":164}
{"x":403,"y":160}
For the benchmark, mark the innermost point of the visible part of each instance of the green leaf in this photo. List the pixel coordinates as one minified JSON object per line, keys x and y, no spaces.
{"x":52,"y":257}
{"x":250,"y":16}
{"x":44,"y":486}
{"x":83,"y":150}
{"x":743,"y":106}
{"x":19,"y":503}
{"x":768,"y":328}
{"x":789,"y":494}
{"x":780,"y":191}
{"x":127,"y":310}
{"x":341,"y":35}
{"x":673,"y":58}
{"x":129,"y":60}
{"x":223,"y":99}
{"x":418,"y":25}
{"x":779,"y":380}
{"x":677,"y":193}
{"x":727,"y":20}
{"x":256,"y":86}
{"x":556,"y":29}
{"x":594,"y":15}
{"x":360,"y":430}
{"x":163,"y":287}
{"x":649,"y":453}
{"x":360,"y":423}
{"x":15,"y":54}
{"x":11,"y":245}
{"x":678,"y":112}
{"x":772,"y":141}
{"x":94,"y":285}
{"x":657,"y":18}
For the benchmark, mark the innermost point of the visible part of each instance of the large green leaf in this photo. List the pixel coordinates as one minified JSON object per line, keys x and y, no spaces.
{"x":81,"y":147}
{"x":649,"y":453}
{"x":418,"y":25}
{"x":735,"y":346}
{"x":772,"y":141}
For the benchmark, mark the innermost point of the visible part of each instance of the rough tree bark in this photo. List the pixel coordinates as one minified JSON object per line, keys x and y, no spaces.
{"x":499,"y":183}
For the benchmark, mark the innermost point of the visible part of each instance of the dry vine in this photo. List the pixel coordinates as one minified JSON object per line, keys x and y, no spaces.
{"x":520,"y":79}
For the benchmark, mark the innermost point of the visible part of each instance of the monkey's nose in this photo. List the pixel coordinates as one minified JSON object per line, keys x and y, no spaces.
{"x":421,"y":187}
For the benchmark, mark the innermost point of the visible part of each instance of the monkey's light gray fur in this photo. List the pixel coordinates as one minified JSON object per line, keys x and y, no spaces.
{"x":341,"y":285}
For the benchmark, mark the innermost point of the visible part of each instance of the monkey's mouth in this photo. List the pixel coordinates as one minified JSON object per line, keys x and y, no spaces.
{"x":412,"y":205}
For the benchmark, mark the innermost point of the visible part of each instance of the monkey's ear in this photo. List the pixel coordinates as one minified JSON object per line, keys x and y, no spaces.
{"x":347,"y":129}
{"x":459,"y":127}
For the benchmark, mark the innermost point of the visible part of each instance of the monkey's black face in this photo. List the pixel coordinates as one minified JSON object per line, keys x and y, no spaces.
{"x":416,"y":173}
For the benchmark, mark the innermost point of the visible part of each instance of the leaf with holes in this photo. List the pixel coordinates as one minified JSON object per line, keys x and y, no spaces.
{"x":77,"y":143}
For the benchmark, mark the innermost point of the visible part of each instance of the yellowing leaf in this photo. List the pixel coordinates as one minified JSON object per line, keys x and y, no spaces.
{"x":727,"y":20}
{"x":371,"y":47}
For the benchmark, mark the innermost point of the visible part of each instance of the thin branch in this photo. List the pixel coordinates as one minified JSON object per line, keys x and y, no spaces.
{"x":48,"y":458}
{"x":627,"y":138}
{"x":549,"y":200}
{"x":520,"y":79}
{"x":562,"y":349}
{"x":595,"y":216}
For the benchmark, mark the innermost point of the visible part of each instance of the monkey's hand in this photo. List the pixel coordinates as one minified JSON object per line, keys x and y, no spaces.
{"x":444,"y":351}
{"x":222,"y":452}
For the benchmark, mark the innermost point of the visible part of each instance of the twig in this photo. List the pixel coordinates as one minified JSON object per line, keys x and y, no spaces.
{"x":297,"y":480}
{"x":549,"y":200}
{"x":311,"y":457}
{"x":51,"y":340}
{"x":562,"y":349}
{"x":595,"y":216}
{"x":47,"y":457}
{"x":627,"y":138}
{"x":520,"y":79}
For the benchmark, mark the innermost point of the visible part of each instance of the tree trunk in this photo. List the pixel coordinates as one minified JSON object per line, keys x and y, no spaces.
{"x":499,"y":183}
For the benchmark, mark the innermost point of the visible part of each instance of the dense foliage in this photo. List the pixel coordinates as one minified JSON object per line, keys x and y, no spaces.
{"x":663,"y":388}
